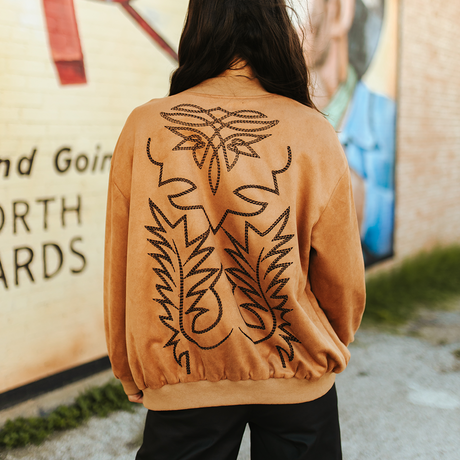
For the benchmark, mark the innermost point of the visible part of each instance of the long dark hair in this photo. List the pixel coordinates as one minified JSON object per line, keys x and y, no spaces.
{"x":260,"y":32}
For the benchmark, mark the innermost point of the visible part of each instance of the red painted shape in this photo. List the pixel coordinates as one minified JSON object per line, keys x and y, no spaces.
{"x":65,"y":41}
{"x":146,"y":26}
{"x":156,"y":37}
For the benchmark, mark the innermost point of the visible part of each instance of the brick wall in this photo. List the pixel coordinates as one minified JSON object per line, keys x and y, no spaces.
{"x":428,"y":145}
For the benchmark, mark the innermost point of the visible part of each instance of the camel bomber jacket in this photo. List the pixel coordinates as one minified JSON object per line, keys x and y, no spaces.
{"x":233,"y":265}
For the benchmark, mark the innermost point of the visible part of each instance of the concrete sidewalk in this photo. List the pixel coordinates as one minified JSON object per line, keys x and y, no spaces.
{"x":399,"y":399}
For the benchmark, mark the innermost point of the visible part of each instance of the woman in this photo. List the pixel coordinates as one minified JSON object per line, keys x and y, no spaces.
{"x":234,"y":278}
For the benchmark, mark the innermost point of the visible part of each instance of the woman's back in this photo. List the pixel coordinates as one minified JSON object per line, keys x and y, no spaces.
{"x":221,"y":198}
{"x":234,"y":278}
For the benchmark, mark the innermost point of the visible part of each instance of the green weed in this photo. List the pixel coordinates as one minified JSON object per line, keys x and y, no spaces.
{"x":95,"y":401}
{"x":430,"y":279}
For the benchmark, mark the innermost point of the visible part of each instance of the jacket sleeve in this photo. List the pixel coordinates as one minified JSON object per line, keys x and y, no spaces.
{"x":336,"y":268}
{"x":115,"y":257}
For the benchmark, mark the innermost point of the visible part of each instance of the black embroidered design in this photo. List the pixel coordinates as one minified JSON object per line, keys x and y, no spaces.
{"x":259,"y":277}
{"x":186,"y":285}
{"x":189,"y":281}
{"x":202,"y":132}
{"x":189,"y":187}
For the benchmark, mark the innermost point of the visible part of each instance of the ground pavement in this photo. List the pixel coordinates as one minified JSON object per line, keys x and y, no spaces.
{"x":399,"y":399}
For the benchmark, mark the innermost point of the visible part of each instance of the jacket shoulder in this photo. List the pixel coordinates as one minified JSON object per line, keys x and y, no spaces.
{"x":314,"y":139}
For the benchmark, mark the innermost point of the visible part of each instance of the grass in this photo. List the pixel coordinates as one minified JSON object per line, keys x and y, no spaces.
{"x":427,"y":280}
{"x":99,"y":401}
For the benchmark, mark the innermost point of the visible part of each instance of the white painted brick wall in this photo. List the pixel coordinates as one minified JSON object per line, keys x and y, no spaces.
{"x":55,"y":324}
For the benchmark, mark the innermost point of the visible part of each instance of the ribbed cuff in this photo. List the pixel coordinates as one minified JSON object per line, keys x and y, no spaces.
{"x":130,"y":387}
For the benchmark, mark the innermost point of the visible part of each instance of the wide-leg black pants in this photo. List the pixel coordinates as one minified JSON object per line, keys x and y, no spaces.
{"x":306,"y":431}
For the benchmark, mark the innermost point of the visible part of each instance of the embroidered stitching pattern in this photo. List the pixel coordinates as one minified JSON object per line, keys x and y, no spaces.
{"x":262,"y":283}
{"x":191,"y":187}
{"x":187,"y":289}
{"x":184,"y":283}
{"x":206,"y":148}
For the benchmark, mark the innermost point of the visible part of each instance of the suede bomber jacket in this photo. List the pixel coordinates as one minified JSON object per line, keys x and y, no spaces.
{"x":233,"y":264}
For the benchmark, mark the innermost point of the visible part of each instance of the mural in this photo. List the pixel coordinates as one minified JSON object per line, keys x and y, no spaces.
{"x":350,"y":47}
{"x":72,"y":71}
{"x":64,"y":39}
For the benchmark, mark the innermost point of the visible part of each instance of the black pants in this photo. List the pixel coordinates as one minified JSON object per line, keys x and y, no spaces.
{"x":306,"y":431}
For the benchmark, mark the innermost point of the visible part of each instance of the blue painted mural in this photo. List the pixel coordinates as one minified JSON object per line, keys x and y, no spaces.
{"x":350,"y":49}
